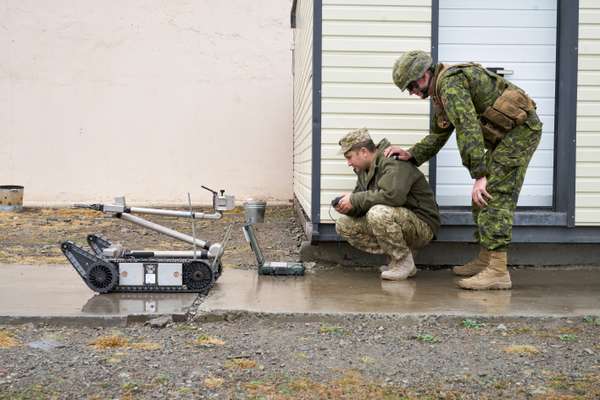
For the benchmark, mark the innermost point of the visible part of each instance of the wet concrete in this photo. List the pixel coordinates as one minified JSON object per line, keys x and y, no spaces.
{"x":56,"y":291}
{"x":536,"y":292}
{"x":41,"y":293}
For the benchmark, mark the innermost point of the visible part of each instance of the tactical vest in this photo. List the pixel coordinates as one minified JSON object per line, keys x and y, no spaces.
{"x":507,"y":111}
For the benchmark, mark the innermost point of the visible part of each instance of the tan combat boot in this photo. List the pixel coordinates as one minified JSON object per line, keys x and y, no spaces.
{"x":475,"y":266}
{"x":495,"y":276}
{"x":401,"y":269}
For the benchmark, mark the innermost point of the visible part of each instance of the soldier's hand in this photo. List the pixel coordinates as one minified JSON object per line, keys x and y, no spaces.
{"x":397,"y":151}
{"x":479,"y":195}
{"x":344,"y":206}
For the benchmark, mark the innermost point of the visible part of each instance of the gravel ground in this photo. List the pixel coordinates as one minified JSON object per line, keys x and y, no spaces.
{"x":266,"y":357}
{"x":279,"y":357}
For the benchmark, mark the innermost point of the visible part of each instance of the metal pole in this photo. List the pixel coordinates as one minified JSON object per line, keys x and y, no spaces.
{"x":162,"y":229}
{"x":193,"y":224}
{"x":174,"y":213}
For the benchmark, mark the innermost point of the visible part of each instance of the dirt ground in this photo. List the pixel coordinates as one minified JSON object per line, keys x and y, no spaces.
{"x":276,"y":357}
{"x":34,"y":235}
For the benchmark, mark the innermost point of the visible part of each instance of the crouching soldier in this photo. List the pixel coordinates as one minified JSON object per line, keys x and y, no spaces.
{"x":391,"y":211}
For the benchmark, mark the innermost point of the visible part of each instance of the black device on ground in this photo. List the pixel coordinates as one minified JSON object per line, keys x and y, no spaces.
{"x":270,"y":267}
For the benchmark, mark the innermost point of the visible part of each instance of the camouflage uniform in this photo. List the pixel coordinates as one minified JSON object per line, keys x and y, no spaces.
{"x":393,"y":206}
{"x":464,"y":92}
{"x":385,"y":230}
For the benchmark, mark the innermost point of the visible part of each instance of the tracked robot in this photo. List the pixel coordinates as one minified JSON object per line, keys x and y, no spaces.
{"x":111,"y":267}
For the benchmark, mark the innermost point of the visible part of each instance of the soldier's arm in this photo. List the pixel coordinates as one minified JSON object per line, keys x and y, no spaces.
{"x":393,"y":187}
{"x":454,"y":91}
{"x":431,"y":144}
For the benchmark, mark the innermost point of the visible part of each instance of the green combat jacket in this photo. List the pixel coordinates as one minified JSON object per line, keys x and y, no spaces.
{"x":465,"y":92}
{"x":394,"y":183}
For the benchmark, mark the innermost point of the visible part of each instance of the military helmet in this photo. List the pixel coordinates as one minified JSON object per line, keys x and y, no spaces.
{"x":410,"y":67}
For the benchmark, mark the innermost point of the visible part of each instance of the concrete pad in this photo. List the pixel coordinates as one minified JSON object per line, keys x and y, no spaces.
{"x":56,"y":293}
{"x":536,"y":292}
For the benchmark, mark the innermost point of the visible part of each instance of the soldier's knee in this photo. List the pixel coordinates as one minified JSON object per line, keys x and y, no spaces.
{"x":379,"y":214}
{"x":342,"y":226}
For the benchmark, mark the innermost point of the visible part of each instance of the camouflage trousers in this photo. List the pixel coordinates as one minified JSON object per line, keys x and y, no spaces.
{"x":385,"y":230}
{"x":507,"y":165}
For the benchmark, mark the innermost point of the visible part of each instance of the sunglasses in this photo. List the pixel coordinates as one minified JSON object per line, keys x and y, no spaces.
{"x":412,"y":86}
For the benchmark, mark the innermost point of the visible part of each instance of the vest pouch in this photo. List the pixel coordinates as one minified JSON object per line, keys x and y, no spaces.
{"x":519,"y":99}
{"x":497,"y":118}
{"x":491,"y":133}
{"x":506,"y":106}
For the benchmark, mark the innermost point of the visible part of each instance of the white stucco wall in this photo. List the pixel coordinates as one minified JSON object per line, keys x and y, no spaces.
{"x":145,"y":98}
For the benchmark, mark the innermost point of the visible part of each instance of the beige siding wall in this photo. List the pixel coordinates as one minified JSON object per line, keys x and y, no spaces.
{"x":149,"y":99}
{"x":361,"y":41}
{"x":303,"y":90}
{"x":587,"y":201}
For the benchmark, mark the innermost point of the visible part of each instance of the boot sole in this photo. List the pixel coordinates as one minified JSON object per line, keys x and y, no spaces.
{"x":495,"y":286}
{"x":465,"y":274}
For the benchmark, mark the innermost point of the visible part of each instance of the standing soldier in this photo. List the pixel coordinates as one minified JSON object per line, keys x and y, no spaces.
{"x":497,"y":131}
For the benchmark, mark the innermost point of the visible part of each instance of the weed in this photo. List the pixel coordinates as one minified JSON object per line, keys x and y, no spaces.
{"x":7,"y":340}
{"x":209,"y":341}
{"x":213,"y":383}
{"x":130,"y":387}
{"x":161,"y":379}
{"x":522,"y":349}
{"x":110,"y":342}
{"x":427,"y":338}
{"x":240,"y":363}
{"x":367,"y":360}
{"x":121,"y":342}
{"x":145,"y":346}
{"x":567,"y":337}
{"x":331,"y":330}
{"x":185,"y":390}
{"x":351,"y":385}
{"x":472,"y":324}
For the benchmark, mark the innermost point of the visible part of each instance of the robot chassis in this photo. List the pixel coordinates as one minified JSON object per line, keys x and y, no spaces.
{"x":113,"y":268}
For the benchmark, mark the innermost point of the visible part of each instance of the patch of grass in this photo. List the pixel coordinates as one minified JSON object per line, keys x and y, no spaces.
{"x":521,"y":349}
{"x":121,"y":342}
{"x":567,"y":337}
{"x":301,"y":355}
{"x":208,"y":341}
{"x":185,"y":327}
{"x":331,"y":330}
{"x":130,"y":387}
{"x":36,"y":391}
{"x":591,"y":319}
{"x":426,"y":338}
{"x":520,"y":330}
{"x":569,"y":330}
{"x":367,"y":360}
{"x":240,"y":363}
{"x":145,"y":346}
{"x":351,"y":385}
{"x":161,"y":379}
{"x":185,"y":390}
{"x":472,"y":324}
{"x":213,"y":382}
{"x":8,"y":340}
{"x":585,"y":387}
{"x":110,"y":342}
